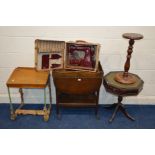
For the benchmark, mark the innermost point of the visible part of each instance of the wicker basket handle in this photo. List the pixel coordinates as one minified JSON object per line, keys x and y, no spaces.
{"x":80,"y":41}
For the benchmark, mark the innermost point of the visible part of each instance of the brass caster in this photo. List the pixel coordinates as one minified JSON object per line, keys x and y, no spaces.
{"x":46,"y":117}
{"x":13,"y":117}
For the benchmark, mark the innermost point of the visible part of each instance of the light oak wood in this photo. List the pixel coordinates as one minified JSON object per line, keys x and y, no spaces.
{"x":24,"y":77}
{"x":31,"y":112}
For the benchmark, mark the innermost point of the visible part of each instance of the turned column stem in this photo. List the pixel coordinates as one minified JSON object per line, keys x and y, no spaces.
{"x":120,"y":98}
{"x":127,"y":63}
{"x":125,"y":77}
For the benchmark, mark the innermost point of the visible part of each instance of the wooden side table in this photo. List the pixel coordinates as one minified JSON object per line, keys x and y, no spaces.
{"x":24,"y":77}
{"x":121,"y":90}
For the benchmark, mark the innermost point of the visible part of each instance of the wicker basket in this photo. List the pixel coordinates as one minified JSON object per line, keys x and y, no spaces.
{"x":49,"y":54}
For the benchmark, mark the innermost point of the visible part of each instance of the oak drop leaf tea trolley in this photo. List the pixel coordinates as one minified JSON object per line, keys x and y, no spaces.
{"x":77,"y":88}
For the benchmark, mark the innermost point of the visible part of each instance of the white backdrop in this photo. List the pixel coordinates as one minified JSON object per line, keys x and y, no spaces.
{"x":17,"y":49}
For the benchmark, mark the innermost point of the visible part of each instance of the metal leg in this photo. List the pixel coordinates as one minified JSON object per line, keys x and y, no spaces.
{"x":47,"y":110}
{"x":50,"y":96}
{"x":22,"y":98}
{"x":22,"y":95}
{"x":11,"y":106}
{"x":45,"y":98}
{"x":46,"y":114}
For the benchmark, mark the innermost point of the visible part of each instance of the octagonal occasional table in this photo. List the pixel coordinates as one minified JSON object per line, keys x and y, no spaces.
{"x":121,"y":90}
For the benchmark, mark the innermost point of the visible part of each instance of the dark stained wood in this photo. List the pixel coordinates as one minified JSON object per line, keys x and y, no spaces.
{"x":77,"y":88}
{"x":121,"y":90}
{"x":119,"y":106}
{"x":127,"y":63}
{"x":133,"y":36}
{"x":77,"y":82}
{"x":127,"y":78}
{"x":117,"y":88}
{"x":124,"y":83}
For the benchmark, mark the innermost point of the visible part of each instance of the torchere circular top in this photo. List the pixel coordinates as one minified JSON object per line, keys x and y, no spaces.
{"x":133,"y":36}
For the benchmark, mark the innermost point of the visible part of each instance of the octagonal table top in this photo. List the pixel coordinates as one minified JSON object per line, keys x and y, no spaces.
{"x":111,"y":81}
{"x":118,"y":88}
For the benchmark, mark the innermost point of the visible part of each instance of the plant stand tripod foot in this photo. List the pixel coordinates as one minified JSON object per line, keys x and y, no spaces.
{"x":119,"y":106}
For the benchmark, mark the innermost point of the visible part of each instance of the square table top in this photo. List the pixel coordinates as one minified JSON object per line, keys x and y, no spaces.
{"x":27,"y":77}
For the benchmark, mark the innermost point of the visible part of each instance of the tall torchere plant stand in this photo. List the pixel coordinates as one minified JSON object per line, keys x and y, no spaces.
{"x":24,"y":77}
{"x":123,"y":83}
